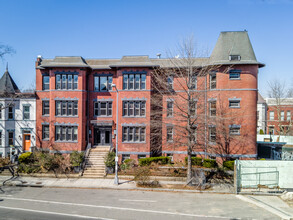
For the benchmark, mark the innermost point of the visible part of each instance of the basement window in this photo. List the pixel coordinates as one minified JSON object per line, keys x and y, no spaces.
{"x":234,"y":57}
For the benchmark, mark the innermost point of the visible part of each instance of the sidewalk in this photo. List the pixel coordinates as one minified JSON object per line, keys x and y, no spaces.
{"x":103,"y":183}
{"x":271,"y":203}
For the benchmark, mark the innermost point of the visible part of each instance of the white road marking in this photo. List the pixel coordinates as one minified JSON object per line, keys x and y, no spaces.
{"x":118,"y":208}
{"x":55,"y":213}
{"x":134,"y":200}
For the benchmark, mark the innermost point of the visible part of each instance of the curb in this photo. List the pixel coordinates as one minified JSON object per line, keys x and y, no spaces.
{"x":115,"y":188}
{"x":282,"y":214}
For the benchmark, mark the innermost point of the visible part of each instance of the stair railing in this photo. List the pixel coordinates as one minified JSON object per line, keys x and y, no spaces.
{"x":86,"y":154}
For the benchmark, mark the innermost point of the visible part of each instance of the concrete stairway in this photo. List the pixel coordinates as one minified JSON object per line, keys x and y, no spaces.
{"x":95,"y":166}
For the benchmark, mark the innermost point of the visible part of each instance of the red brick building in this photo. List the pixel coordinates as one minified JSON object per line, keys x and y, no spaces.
{"x":76,"y":101}
{"x":279,"y":118}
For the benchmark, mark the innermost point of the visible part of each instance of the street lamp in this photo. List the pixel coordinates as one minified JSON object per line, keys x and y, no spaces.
{"x":116,"y":180}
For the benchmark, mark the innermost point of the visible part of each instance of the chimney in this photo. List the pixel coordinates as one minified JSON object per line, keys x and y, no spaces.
{"x":158,"y":55}
{"x":39,"y":60}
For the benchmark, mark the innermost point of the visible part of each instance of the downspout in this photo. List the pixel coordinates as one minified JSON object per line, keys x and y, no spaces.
{"x":205,"y":118}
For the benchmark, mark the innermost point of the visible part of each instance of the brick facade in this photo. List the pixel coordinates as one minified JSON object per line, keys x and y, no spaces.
{"x":96,"y":119}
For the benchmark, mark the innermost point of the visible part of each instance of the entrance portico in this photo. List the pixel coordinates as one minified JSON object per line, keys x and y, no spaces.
{"x":102,"y":132}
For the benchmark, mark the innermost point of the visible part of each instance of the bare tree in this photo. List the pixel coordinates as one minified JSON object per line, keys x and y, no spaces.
{"x":180,"y":93}
{"x":280,"y":93}
{"x":5,"y":49}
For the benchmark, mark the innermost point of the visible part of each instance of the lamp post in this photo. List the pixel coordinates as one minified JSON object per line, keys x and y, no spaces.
{"x":116,"y":180}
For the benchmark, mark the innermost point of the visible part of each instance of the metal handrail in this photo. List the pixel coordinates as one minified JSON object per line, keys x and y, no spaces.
{"x":86,"y":154}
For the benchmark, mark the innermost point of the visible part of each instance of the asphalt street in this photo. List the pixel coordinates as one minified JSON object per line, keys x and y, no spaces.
{"x":60,"y":203}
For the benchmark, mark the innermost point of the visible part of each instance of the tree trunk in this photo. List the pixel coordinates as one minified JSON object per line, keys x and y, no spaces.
{"x":189,"y":168}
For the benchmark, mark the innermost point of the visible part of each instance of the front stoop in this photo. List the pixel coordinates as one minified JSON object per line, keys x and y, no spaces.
{"x":95,"y":165}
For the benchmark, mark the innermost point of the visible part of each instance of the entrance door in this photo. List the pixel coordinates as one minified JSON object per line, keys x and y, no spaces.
{"x":26,"y":142}
{"x":103,"y":136}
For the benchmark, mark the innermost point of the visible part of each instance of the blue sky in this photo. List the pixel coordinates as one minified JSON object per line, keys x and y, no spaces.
{"x":111,"y":29}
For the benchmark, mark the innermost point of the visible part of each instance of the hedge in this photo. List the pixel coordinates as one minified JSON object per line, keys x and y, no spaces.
{"x":209,"y":163}
{"x":194,"y":161}
{"x":149,"y":160}
{"x":229,"y":164}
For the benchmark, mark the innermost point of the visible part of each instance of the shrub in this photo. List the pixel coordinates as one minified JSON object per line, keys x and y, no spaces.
{"x":194,"y":161}
{"x":149,"y":160}
{"x":44,"y":160}
{"x":261,"y":131}
{"x":76,"y":158}
{"x":110,"y":159}
{"x":209,"y":163}
{"x":128,"y":163}
{"x":229,"y":164}
{"x":4,"y":161}
{"x":142,"y":175}
{"x":25,"y":157}
{"x":28,"y":168}
{"x":262,"y":159}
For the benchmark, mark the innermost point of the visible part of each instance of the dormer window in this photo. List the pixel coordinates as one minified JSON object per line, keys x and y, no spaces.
{"x":234,"y":57}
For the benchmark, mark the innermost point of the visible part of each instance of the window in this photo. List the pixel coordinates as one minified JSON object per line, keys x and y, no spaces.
{"x":288,"y":115}
{"x":66,"y":81}
{"x":10,"y":138}
{"x":213,"y":108}
{"x":169,"y":134}
{"x":271,"y":129}
{"x":169,"y":108}
{"x":133,"y":134}
{"x":234,"y":129}
{"x":213,"y":81}
{"x":66,"y":108}
{"x":170,"y":82}
{"x":234,"y":74}
{"x":257,"y":115}
{"x":26,"y":112}
{"x":46,"y":82}
{"x":193,"y":83}
{"x":136,"y":81}
{"x":65,"y":133}
{"x":272,"y":115}
{"x":212,"y":134}
{"x":10,"y":112}
{"x":46,"y":108}
{"x":234,"y":103}
{"x":193,"y":105}
{"x":103,"y":83}
{"x":282,"y":115}
{"x":134,"y":108}
{"x":141,"y":156}
{"x":103,"y":108}
{"x":1,"y":107}
{"x":0,"y":138}
{"x":45,"y":133}
{"x":234,"y":57}
{"x":125,"y":157}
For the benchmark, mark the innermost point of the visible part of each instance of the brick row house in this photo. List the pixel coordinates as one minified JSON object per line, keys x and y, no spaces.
{"x":77,"y":102}
{"x":279,"y":118}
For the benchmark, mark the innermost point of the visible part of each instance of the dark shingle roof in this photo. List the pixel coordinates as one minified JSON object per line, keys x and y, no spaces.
{"x":7,"y":85}
{"x":233,"y":43}
{"x":229,"y":43}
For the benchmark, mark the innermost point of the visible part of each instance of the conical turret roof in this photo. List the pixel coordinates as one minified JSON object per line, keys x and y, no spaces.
{"x":7,"y":84}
